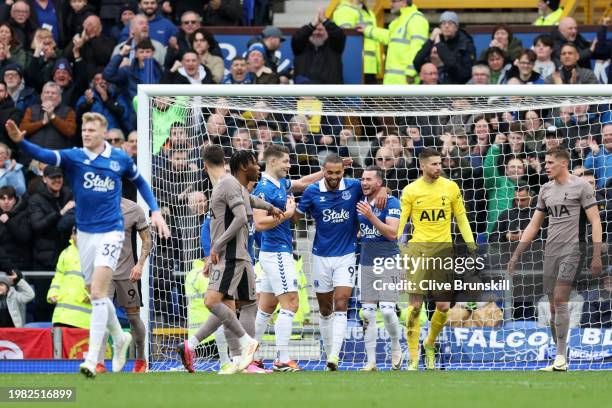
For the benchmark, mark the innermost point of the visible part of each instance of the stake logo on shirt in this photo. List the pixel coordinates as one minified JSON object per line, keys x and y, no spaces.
{"x":96,"y":183}
{"x":369,"y":231}
{"x":333,"y":216}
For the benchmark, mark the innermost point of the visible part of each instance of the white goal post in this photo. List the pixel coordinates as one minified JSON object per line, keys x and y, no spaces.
{"x":439,"y":114}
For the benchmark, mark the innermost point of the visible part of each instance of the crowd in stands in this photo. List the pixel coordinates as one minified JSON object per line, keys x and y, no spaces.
{"x":59,"y":60}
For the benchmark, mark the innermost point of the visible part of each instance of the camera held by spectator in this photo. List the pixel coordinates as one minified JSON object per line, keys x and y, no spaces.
{"x":15,"y":292}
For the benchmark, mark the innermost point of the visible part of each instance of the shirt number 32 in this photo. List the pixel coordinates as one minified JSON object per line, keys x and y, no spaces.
{"x":111,"y":250}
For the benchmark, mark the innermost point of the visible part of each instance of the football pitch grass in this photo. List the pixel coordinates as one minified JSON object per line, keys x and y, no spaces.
{"x":323,"y":389}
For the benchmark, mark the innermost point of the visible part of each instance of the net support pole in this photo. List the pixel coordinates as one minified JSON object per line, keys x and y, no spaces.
{"x":144,"y":167}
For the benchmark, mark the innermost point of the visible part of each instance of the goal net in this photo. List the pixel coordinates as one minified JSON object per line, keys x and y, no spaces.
{"x":493,"y":141}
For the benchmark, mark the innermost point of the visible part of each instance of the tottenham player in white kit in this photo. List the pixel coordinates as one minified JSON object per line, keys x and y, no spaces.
{"x":95,"y":172}
{"x":279,"y":283}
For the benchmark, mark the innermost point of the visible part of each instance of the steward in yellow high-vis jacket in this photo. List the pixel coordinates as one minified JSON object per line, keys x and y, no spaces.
{"x":196,"y":285}
{"x":68,"y":291}
{"x":549,"y":13}
{"x":404,"y":38}
{"x":353,"y":13}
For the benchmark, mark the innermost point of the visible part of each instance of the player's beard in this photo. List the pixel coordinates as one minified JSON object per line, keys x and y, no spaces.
{"x":369,"y":191}
{"x":333,"y":184}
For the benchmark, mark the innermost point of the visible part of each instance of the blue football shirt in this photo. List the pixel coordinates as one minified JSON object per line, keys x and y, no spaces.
{"x":335,"y":215}
{"x":96,"y":184}
{"x":373,"y":243}
{"x":279,"y":238}
{"x":205,"y":238}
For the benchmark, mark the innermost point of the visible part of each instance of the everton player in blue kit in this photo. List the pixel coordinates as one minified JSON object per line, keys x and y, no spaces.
{"x":378,"y":230}
{"x":279,"y":283}
{"x":95,"y":172}
{"x":332,"y":202}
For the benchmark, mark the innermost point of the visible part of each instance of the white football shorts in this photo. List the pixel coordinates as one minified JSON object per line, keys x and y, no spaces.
{"x":279,"y":274}
{"x":98,"y":249}
{"x":330,"y":272}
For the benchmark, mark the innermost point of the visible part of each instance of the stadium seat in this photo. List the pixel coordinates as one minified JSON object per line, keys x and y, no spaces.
{"x":38,"y":325}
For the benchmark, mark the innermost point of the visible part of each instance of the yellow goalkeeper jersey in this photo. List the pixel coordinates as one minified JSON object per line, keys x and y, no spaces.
{"x":431,"y":207}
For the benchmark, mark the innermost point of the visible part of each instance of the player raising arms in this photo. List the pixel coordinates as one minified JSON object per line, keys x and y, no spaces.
{"x":279,"y":284}
{"x":378,"y":230}
{"x":430,"y":202}
{"x":332,"y":202}
{"x":567,"y":200}
{"x":95,"y":172}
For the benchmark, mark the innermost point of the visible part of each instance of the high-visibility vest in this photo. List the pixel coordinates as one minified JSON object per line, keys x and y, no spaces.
{"x":313,"y":104}
{"x":303,"y":312}
{"x":349,"y":15}
{"x":196,"y":285}
{"x":404,"y":38}
{"x":551,"y":19}
{"x":73,"y":305}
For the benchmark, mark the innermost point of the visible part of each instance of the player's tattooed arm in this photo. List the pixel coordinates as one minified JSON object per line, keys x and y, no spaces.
{"x":259,"y":204}
{"x":264,"y":222}
{"x":145,"y":251}
{"x":147,"y":244}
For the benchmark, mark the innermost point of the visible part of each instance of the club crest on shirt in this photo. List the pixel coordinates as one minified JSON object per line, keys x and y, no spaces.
{"x":346,"y":195}
{"x":114,"y":165}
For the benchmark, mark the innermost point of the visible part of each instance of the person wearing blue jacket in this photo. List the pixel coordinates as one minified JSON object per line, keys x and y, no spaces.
{"x":102,"y":97}
{"x":142,"y":70}
{"x":600,"y":158}
{"x":11,"y":172}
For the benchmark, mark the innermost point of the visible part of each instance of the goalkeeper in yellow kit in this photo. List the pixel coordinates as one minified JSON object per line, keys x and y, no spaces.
{"x":430,"y":201}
